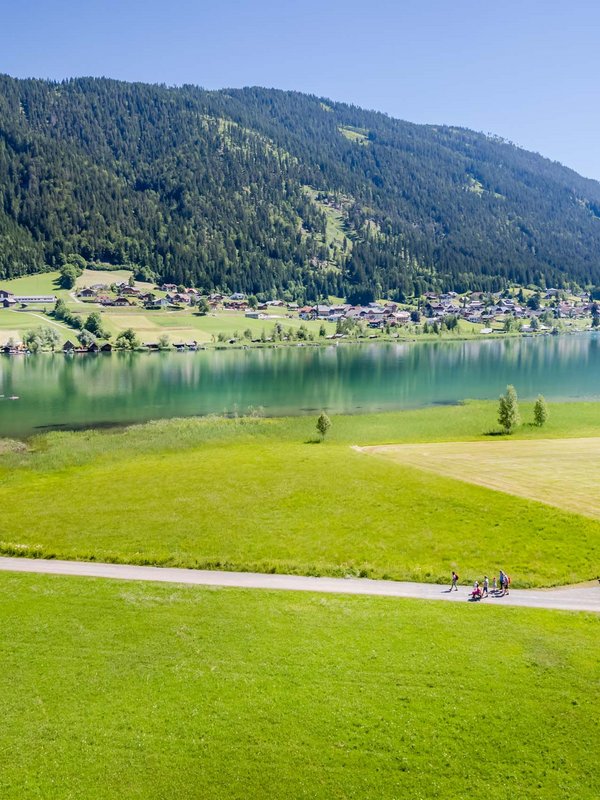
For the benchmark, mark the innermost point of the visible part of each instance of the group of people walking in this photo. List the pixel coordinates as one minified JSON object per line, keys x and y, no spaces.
{"x":499,"y":588}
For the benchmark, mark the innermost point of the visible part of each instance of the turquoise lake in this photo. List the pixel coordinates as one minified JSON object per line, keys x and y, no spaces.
{"x":119,"y":388}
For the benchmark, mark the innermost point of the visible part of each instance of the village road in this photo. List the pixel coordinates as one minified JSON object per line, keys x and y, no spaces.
{"x":572,"y":598}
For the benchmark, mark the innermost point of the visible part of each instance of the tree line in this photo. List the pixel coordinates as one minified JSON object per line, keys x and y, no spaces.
{"x":209,"y":189}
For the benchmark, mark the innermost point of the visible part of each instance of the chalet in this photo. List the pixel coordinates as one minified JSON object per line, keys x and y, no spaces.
{"x":5,"y":294}
{"x":160,"y":302}
{"x":179,"y":297}
{"x":437,"y":309}
{"x":8,"y":302}
{"x":237,"y":296}
{"x":307,"y":312}
{"x":169,"y":287}
{"x":356,"y":313}
{"x":87,"y":292}
{"x":152,"y":346}
{"x":93,"y":348}
{"x":68,"y":347}
{"x":565,"y":310}
{"x":106,"y":348}
{"x":236,"y":305}
{"x":130,"y":291}
{"x":120,"y":302}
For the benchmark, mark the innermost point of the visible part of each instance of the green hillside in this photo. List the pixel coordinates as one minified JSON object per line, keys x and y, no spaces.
{"x":267,"y":191}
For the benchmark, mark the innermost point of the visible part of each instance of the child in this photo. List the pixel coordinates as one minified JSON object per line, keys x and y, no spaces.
{"x":454,"y":581}
{"x":486,"y":585}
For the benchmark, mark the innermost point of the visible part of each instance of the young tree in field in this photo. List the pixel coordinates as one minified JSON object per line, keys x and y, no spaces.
{"x":323,"y":425}
{"x":69,"y":274}
{"x":540,"y":411}
{"x":32,"y":340}
{"x":202,"y":306}
{"x":127,"y":340}
{"x":163,"y":342}
{"x":93,"y":324}
{"x":86,"y":338}
{"x":508,"y":410}
{"x":50,"y":338}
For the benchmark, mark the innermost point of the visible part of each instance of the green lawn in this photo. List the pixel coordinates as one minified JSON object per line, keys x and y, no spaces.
{"x":261,"y":495}
{"x":41,"y":283}
{"x":128,"y":690}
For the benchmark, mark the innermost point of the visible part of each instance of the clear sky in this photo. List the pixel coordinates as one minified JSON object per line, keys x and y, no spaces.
{"x":525,"y":69}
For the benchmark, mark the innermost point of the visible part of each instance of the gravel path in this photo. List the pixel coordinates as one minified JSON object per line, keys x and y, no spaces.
{"x":579,"y":598}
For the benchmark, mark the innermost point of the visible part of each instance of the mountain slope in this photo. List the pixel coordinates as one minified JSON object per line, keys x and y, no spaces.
{"x":265,"y":191}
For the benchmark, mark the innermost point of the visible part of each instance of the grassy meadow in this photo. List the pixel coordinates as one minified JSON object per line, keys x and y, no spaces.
{"x":128,"y":690}
{"x":264,"y":495}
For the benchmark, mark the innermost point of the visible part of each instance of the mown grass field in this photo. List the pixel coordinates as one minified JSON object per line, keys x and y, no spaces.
{"x":260,"y":494}
{"x":128,"y":690}
{"x":562,"y":472}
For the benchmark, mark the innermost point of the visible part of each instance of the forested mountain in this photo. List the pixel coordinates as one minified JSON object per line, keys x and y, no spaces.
{"x":267,"y":191}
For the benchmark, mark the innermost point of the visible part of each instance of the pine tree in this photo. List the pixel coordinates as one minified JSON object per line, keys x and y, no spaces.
{"x":508,"y":410}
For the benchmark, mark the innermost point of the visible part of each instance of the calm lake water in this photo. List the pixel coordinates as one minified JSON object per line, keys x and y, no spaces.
{"x":54,"y":390}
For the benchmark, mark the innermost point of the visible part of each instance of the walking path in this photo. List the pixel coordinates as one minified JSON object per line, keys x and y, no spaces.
{"x":43,"y":318}
{"x":579,"y":598}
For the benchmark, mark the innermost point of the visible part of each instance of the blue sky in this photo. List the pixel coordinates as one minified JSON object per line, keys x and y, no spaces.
{"x":525,"y":70}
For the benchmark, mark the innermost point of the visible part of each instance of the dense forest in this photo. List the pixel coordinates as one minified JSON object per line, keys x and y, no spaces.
{"x":273,"y":192}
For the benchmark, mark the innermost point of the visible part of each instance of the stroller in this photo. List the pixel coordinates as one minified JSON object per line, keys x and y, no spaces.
{"x":477,"y":592}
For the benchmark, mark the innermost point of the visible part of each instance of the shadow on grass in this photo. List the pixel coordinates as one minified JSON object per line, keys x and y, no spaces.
{"x":313,"y":441}
{"x":528,"y":425}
